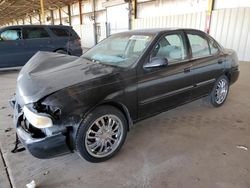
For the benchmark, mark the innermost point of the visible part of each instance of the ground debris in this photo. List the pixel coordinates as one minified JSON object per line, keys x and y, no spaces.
{"x":3,"y":107}
{"x":242,"y":147}
{"x":32,"y":184}
{"x":8,"y":130}
{"x":45,"y":173}
{"x":10,"y":115}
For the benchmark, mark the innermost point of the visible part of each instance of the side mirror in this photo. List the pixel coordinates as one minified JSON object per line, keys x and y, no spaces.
{"x":156,"y":62}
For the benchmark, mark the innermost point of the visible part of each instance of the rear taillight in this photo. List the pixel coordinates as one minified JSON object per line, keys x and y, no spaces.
{"x":78,"y":41}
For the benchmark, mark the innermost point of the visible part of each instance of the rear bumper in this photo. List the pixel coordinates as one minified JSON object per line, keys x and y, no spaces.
{"x":43,"y":148}
{"x":77,"y":52}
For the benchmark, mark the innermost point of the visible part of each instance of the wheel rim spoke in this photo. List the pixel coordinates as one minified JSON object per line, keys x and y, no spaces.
{"x":221,"y":91}
{"x":104,"y":136}
{"x":98,"y":124}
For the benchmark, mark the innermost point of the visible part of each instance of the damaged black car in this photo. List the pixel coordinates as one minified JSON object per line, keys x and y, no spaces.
{"x":87,"y":104}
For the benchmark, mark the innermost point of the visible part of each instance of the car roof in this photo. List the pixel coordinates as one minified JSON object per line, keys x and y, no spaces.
{"x":156,"y":30}
{"x":54,"y":26}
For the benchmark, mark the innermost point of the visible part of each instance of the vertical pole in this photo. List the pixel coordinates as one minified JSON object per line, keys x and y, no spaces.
{"x":42,"y":12}
{"x":30,"y":20}
{"x":130,"y":12}
{"x":133,"y":13}
{"x":94,"y":18}
{"x":209,"y":15}
{"x":52,"y":17}
{"x":80,"y":11}
{"x":23,"y":21}
{"x":135,"y":9}
{"x":69,"y":14}
{"x":60,"y":16}
{"x":40,"y":19}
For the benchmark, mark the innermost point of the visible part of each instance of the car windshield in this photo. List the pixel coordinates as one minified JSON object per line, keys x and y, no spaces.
{"x":119,"y":50}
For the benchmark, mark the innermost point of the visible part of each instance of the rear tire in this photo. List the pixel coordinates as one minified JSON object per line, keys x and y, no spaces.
{"x":101,"y":134}
{"x":220,"y":91}
{"x":61,"y":52}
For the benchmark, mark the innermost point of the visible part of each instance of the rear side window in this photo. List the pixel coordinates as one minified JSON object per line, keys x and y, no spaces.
{"x":199,"y":45}
{"x":11,"y":34}
{"x":61,"y":32}
{"x":34,"y":33}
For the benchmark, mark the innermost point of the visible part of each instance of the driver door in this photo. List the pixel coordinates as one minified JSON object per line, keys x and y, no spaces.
{"x":161,"y":88}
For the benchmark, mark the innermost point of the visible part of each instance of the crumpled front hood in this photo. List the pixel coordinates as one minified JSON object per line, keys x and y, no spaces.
{"x":47,"y":72}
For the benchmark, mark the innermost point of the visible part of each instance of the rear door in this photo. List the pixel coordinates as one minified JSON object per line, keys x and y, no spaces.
{"x":207,"y":62}
{"x":62,"y":38}
{"x":36,"y":39}
{"x":11,"y":48}
{"x":66,"y":39}
{"x":165,"y":87}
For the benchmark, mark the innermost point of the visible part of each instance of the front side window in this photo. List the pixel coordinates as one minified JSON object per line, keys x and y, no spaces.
{"x":213,"y":48}
{"x":11,"y":34}
{"x":119,"y":50}
{"x":34,"y":33}
{"x":199,"y":46}
{"x":170,"y":47}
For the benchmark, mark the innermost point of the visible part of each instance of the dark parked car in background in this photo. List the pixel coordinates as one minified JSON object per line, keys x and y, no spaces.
{"x":87,"y":104}
{"x":19,"y":43}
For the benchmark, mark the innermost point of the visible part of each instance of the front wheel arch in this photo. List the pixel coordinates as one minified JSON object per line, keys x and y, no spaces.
{"x":117,"y":105}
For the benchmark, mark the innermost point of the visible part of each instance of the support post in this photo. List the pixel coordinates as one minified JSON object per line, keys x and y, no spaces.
{"x":52,"y":17}
{"x":94,"y":19}
{"x":209,"y":15}
{"x":60,"y":16}
{"x":133,"y":13}
{"x":40,"y":19}
{"x":30,"y":20}
{"x":80,"y":11}
{"x":42,"y":12}
{"x":69,"y":14}
{"x":130,"y":12}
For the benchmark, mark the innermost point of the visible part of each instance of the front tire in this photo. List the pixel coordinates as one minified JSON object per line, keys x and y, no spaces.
{"x":101,"y":134}
{"x":220,"y":91}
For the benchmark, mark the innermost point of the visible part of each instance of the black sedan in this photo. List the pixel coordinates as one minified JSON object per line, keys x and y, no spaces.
{"x":87,"y":104}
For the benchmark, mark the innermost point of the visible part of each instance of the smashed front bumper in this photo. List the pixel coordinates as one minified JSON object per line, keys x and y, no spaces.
{"x":39,"y":146}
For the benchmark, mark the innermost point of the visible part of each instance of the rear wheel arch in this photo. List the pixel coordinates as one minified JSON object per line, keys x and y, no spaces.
{"x":62,"y":49}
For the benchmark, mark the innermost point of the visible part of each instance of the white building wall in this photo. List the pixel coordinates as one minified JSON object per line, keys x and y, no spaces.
{"x":86,"y":31}
{"x":120,"y":22}
{"x":170,"y":7}
{"x":222,"y":4}
{"x":194,"y":20}
{"x":231,"y":27}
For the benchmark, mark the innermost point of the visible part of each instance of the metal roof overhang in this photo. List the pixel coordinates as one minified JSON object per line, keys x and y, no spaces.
{"x":18,"y":9}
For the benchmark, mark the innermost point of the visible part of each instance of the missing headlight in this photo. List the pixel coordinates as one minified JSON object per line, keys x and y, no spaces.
{"x":54,"y":111}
